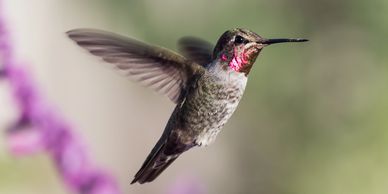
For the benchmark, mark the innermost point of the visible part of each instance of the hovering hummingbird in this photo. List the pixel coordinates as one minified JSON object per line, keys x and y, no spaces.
{"x":206,"y":83}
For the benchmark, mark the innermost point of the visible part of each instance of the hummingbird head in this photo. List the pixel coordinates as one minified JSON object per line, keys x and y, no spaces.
{"x":239,"y":48}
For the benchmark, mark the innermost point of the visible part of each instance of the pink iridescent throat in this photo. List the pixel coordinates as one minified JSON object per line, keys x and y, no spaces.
{"x":238,"y":61}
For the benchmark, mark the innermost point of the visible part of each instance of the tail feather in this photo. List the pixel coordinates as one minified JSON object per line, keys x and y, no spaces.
{"x":155,"y":164}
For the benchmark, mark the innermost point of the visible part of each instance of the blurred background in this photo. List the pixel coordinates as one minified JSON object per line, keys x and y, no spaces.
{"x":313,"y":119}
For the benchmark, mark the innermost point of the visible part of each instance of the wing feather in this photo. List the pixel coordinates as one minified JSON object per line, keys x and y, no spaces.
{"x":196,"y":49}
{"x":158,"y":68}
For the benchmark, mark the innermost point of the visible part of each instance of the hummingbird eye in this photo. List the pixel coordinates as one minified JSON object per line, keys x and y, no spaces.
{"x":239,"y":39}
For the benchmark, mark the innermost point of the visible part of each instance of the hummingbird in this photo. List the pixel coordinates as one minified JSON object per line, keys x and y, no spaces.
{"x":206,"y":83}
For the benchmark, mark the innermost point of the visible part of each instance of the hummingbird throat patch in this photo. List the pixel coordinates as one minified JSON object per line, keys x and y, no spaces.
{"x":238,"y":61}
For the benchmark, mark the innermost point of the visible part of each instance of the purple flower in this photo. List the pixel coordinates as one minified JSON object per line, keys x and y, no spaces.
{"x":24,"y":138}
{"x":40,"y":128}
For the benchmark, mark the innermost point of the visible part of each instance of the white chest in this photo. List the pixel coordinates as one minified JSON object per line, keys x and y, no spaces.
{"x":226,"y":93}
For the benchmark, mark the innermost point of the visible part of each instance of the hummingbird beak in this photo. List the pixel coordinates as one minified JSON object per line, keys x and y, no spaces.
{"x":280,"y":40}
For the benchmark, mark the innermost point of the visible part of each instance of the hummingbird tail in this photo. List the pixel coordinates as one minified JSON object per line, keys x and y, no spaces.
{"x":156,"y":162}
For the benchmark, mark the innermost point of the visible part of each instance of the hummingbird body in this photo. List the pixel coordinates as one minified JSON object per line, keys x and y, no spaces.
{"x":205,"y":83}
{"x":212,"y":101}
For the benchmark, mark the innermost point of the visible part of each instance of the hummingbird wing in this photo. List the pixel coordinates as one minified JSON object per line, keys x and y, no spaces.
{"x":158,"y":68}
{"x":196,"y":49}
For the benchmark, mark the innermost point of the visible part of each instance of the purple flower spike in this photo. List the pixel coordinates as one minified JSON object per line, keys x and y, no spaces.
{"x":42,"y":129}
{"x":99,"y":183}
{"x":5,"y":48}
{"x":24,"y":138}
{"x":23,"y":89}
{"x":71,"y":160}
{"x":2,"y":72}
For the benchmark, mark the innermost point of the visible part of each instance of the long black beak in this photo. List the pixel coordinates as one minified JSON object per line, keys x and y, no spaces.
{"x":281,"y":40}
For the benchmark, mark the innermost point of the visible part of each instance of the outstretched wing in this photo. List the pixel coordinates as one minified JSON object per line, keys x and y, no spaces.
{"x":198,"y":50}
{"x":163,"y":70}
